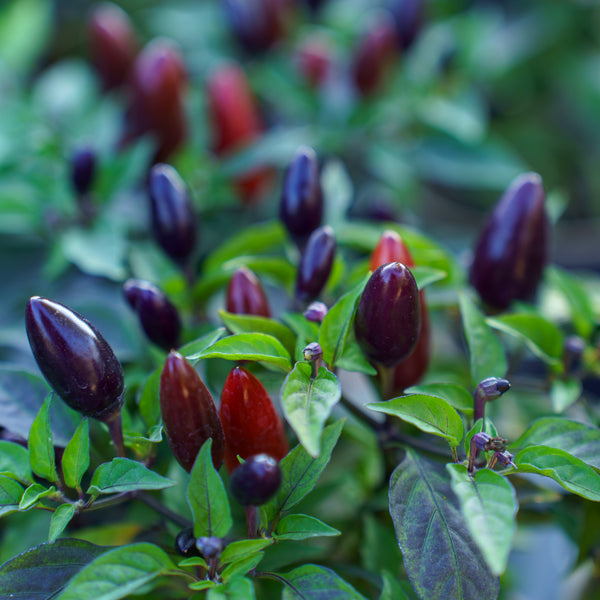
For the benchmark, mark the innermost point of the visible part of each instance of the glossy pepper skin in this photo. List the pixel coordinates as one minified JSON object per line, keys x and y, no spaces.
{"x":255,"y":481}
{"x":250,"y":421}
{"x":512,"y":250}
{"x":158,"y":317}
{"x":173,"y":219}
{"x":83,"y":170}
{"x":391,"y":248}
{"x":315,"y":264}
{"x":245,"y":295}
{"x":75,"y":359}
{"x":158,"y":85}
{"x":188,"y":412}
{"x":388,"y":317}
{"x":301,"y":203}
{"x":112,"y":44}
{"x":409,"y":16}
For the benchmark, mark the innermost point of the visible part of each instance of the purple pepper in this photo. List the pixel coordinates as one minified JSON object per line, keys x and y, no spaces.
{"x":83,"y":169}
{"x":158,"y":317}
{"x":512,"y":250}
{"x":75,"y":359}
{"x":388,"y":317}
{"x":409,"y":16}
{"x":173,"y":217}
{"x":256,"y":480}
{"x":315,"y":264}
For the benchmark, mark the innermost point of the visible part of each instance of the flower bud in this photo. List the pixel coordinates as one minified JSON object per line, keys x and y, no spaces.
{"x":173,"y":218}
{"x":83,"y":169}
{"x":492,"y":388}
{"x":316,"y":312}
{"x":481,"y":440}
{"x":158,"y":317}
{"x":209,"y":547}
{"x":312,"y":352}
{"x":512,"y":250}
{"x":256,"y":480}
{"x":245,"y":295}
{"x":75,"y":359}
{"x":188,"y":412}
{"x":315,"y":264}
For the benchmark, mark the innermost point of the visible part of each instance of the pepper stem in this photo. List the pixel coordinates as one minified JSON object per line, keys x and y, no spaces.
{"x":386,"y":377}
{"x":115,"y":428}
{"x":251,"y":521}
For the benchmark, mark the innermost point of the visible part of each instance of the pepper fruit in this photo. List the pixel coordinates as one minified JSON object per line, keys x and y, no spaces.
{"x":315,"y":264}
{"x":112,"y":44}
{"x":409,"y":371}
{"x":250,"y":421}
{"x":512,"y":250}
{"x":158,"y":84}
{"x":409,"y":16}
{"x":256,"y":480}
{"x":185,"y":543}
{"x":388,"y":317}
{"x":313,"y":59}
{"x":173,"y":219}
{"x":188,"y":413}
{"x":245,"y":295}
{"x":83,"y":170}
{"x":75,"y":359}
{"x":158,"y":317}
{"x":301,"y":203}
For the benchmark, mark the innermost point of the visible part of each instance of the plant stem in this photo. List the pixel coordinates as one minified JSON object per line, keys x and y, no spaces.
{"x":115,"y":428}
{"x":276,"y":577}
{"x":386,"y":376}
{"x":160,"y":508}
{"x":251,"y":521}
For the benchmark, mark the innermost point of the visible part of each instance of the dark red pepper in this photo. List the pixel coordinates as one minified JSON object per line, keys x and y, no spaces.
{"x":315,"y":264}
{"x":250,"y":421}
{"x":245,"y":295}
{"x":313,"y":58}
{"x":188,"y":412}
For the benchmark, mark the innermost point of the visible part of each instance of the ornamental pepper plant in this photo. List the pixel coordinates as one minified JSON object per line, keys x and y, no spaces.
{"x":301,"y":300}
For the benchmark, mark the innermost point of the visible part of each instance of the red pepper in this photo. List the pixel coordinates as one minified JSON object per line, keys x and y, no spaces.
{"x":250,"y":421}
{"x":245,"y":295}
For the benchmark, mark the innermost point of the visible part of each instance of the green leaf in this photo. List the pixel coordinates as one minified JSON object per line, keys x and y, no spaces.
{"x":14,"y":461}
{"x":300,"y":472}
{"x":578,"y":439}
{"x":207,"y":497}
{"x":118,"y":573}
{"x":307,"y":403}
{"x":192,"y":349}
{"x":125,"y":475}
{"x":302,"y":527}
{"x":440,"y":556}
{"x":194,"y":561}
{"x":301,"y":326}
{"x":239,"y":588}
{"x":489,"y":506}
{"x":149,"y":404}
{"x":33,"y":494}
{"x":425,"y":276}
{"x":429,"y":413}
{"x":314,"y":581}
{"x":60,"y":519}
{"x":456,"y":395}
{"x":486,"y":352}
{"x":337,"y":191}
{"x":41,"y":572}
{"x":76,"y":457}
{"x":568,"y":471}
{"x":564,"y":392}
{"x":391,"y":589}
{"x":257,"y":324}
{"x":541,"y":336}
{"x":11,"y":493}
{"x":242,"y":549}
{"x":249,"y":346}
{"x":41,"y":449}
{"x":241,"y":566}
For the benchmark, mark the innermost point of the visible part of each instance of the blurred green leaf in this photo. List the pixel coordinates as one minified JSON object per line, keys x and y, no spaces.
{"x":14,"y":461}
{"x":564,"y":392}
{"x":11,"y":493}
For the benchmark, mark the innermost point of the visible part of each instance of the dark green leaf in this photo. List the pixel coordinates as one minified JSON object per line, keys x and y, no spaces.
{"x":76,"y":457}
{"x":456,"y":395}
{"x":14,"y":460}
{"x":41,"y":572}
{"x":391,"y":590}
{"x":242,"y":549}
{"x":60,"y":519}
{"x":10,"y":495}
{"x":125,"y":475}
{"x":207,"y":497}
{"x":440,"y":557}
{"x":570,"y":472}
{"x":41,"y":448}
{"x":564,"y":392}
{"x":33,"y":494}
{"x":301,"y":527}
{"x":318,"y":583}
{"x":308,"y":402}
{"x":239,"y":588}
{"x":485,"y":350}
{"x":118,"y":573}
{"x":489,"y":506}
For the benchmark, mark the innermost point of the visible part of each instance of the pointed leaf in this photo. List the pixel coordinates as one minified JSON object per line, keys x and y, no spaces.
{"x":33,"y":494}
{"x":60,"y":519}
{"x":440,"y":557}
{"x":76,"y":457}
{"x":191,"y":349}
{"x":301,"y":527}
{"x":239,"y":588}
{"x":11,"y":493}
{"x":489,"y":506}
{"x":242,"y":565}
{"x":41,"y":449}
{"x":307,"y":403}
{"x":242,"y":549}
{"x":456,"y":395}
{"x":149,"y":404}
{"x":207,"y":497}
{"x":429,"y":413}
{"x":321,"y":583}
{"x":14,"y":461}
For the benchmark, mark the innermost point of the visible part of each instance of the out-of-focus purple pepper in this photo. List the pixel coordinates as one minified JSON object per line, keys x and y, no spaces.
{"x":112,"y":44}
{"x":388,"y":317}
{"x":158,"y":317}
{"x":83,"y":169}
{"x":409,"y":16}
{"x":173,"y":219}
{"x":256,"y":480}
{"x":75,"y":359}
{"x":512,"y":250}
{"x":245,"y":295}
{"x":301,"y":203}
{"x":188,"y":412}
{"x":316,"y":312}
{"x":315,"y":264}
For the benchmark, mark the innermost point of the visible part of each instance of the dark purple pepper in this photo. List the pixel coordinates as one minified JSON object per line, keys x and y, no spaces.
{"x":316,"y":312}
{"x":185,"y":543}
{"x":159,"y":318}
{"x":83,"y":169}
{"x":74,"y":358}
{"x":409,"y":16}
{"x":315,"y":264}
{"x":301,"y":204}
{"x":173,"y":217}
{"x":388,"y":316}
{"x":255,"y":481}
{"x":512,"y":250}
{"x":245,"y":295}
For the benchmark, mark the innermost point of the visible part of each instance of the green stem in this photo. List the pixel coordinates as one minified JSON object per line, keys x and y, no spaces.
{"x":386,"y":376}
